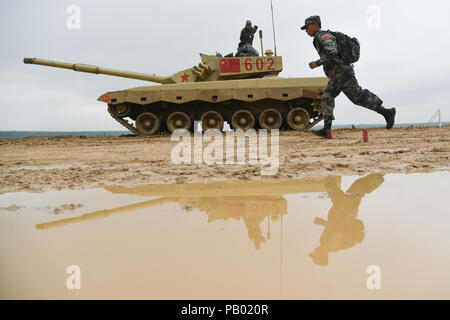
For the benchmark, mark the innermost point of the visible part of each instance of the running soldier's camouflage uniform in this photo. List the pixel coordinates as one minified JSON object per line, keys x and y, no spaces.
{"x":341,"y":77}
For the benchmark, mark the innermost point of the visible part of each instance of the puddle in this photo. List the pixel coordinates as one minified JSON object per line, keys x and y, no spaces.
{"x":307,"y":239}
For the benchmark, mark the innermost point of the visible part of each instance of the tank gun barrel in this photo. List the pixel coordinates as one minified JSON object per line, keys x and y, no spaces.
{"x":98,"y":70}
{"x":105,"y":213}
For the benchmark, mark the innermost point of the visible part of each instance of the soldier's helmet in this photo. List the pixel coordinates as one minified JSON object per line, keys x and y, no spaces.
{"x":248,"y":22}
{"x":311,"y":20}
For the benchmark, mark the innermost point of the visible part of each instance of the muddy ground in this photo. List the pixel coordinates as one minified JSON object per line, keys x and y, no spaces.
{"x":39,"y":164}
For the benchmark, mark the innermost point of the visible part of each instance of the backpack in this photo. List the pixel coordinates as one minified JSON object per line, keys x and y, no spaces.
{"x":349,"y":48}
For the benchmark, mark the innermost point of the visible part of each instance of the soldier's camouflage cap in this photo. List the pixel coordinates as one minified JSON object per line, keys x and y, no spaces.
{"x":248,"y":22}
{"x":311,"y":20}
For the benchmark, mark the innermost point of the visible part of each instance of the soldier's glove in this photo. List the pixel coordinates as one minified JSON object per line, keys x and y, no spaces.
{"x":256,"y":27}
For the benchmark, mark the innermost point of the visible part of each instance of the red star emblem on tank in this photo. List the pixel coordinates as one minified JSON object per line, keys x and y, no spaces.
{"x":185,"y":77}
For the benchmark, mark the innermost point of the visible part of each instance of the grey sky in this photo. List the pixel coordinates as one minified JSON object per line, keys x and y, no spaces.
{"x":405,"y":62}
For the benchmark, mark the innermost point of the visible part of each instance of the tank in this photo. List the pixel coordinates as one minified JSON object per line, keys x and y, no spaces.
{"x":246,"y":92}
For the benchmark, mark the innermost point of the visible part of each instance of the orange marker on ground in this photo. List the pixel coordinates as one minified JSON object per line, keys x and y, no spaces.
{"x":366,"y":135}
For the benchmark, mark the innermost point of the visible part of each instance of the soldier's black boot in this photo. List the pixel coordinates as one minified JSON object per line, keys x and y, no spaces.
{"x":323,"y":132}
{"x":389,"y":116}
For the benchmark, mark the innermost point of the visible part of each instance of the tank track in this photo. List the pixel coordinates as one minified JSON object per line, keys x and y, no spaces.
{"x":315,"y":122}
{"x":133,"y":129}
{"x":123,"y":122}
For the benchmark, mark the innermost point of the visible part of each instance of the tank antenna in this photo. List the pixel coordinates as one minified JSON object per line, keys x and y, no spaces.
{"x":273,"y":28}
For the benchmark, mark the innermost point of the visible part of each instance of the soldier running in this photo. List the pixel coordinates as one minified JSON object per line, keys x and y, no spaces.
{"x":341,"y":77}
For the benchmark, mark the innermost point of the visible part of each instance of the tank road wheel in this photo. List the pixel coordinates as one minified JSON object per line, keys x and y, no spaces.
{"x":178,"y":120}
{"x":243,"y":119}
{"x":147,"y":123}
{"x":270,"y":119}
{"x":122,"y":110}
{"x":212,"y":120}
{"x":298,"y":119}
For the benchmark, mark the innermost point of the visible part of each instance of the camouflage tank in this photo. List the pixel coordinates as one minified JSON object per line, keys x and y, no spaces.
{"x":244,"y":91}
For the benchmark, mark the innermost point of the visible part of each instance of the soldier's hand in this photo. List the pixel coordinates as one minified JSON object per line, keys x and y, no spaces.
{"x":256,"y":27}
{"x":313,"y":65}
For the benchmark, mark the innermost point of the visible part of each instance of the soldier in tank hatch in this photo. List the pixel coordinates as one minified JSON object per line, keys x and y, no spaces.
{"x":245,"y":48}
{"x":246,"y":51}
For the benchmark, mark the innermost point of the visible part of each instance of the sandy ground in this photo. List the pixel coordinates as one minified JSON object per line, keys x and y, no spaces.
{"x":39,"y":164}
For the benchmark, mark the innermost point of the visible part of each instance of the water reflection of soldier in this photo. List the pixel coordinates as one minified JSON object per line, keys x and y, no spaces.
{"x":343,"y":230}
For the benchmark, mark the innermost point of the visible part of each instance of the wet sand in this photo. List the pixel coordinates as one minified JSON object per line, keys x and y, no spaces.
{"x":39,"y":164}
{"x":314,"y":238}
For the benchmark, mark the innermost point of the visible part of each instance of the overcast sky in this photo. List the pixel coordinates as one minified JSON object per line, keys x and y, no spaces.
{"x":405,"y":57}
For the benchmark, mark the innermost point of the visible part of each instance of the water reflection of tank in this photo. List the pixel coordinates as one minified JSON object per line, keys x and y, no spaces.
{"x":251,"y":202}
